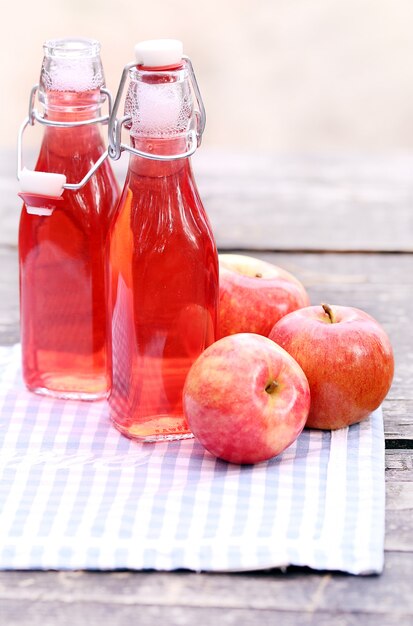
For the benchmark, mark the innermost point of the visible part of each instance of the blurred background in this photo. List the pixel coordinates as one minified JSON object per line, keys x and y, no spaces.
{"x":276,"y":75}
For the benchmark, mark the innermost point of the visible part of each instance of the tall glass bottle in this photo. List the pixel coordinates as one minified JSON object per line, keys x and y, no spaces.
{"x":63,"y":299}
{"x":163,"y":258}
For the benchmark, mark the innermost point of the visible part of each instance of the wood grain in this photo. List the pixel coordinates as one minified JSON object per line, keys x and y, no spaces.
{"x":297,"y":597}
{"x":37,"y":613}
{"x":267,"y":202}
{"x":399,"y":465}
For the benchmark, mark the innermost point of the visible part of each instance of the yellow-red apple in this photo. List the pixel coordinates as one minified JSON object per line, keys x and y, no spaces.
{"x":347,"y":358}
{"x":254,"y":295}
{"x":245,"y":398}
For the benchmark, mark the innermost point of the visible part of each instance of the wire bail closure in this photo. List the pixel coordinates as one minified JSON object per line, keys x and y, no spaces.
{"x":115,"y":145}
{"x":34,"y":116}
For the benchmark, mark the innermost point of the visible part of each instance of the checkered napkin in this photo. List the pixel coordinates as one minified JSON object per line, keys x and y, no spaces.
{"x":75,"y":494}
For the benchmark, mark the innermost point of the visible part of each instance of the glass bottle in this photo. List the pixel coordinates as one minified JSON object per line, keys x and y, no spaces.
{"x":163,"y":258}
{"x":63,"y":298}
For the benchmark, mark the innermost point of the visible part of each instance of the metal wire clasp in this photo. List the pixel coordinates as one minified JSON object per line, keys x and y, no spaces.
{"x":34,"y":116}
{"x":115,"y":145}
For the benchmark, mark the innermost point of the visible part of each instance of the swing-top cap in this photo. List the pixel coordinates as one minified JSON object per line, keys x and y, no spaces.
{"x":42,"y":183}
{"x":159,"y":52}
{"x":41,"y":191}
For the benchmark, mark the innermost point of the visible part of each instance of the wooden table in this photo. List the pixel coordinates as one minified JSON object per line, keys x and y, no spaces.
{"x":344,"y":226}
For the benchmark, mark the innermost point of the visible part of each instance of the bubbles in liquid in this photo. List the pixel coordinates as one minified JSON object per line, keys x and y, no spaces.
{"x":72,"y":75}
{"x":71,"y":64}
{"x":159,"y":110}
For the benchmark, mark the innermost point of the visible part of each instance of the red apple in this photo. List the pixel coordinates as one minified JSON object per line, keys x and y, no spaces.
{"x":254,"y":294}
{"x":347,"y":358}
{"x":245,"y":398}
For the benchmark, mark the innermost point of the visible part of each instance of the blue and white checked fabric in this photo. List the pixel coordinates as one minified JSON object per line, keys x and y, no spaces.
{"x":75,"y":494}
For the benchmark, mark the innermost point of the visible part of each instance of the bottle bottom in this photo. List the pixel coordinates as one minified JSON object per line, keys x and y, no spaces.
{"x":69,"y":395}
{"x":157,"y":428}
{"x":67,"y":386}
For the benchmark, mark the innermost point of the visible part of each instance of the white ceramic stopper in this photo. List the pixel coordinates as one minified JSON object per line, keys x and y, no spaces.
{"x":35,"y":210}
{"x":159,"y":52}
{"x":42,"y":183}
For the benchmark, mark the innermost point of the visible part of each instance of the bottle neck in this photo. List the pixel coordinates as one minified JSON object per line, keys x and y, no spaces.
{"x":155,"y":167}
{"x":160,"y":106}
{"x":72,"y":141}
{"x":162,"y":147}
{"x":71,"y":106}
{"x":70,"y":79}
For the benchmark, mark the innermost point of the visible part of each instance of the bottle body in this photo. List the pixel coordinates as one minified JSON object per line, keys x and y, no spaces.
{"x":63,"y":295}
{"x":164,"y":295}
{"x":63,"y":305}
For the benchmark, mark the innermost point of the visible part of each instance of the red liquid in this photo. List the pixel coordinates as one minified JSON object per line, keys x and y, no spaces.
{"x":63,"y":300}
{"x":164,"y":291}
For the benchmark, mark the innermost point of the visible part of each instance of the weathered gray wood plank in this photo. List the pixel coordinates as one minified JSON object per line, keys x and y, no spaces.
{"x":91,"y":614}
{"x":285,"y":203}
{"x":9,"y":296}
{"x":399,"y":516}
{"x":399,"y":501}
{"x":398,"y":419}
{"x":399,"y":465}
{"x":181,"y":596}
{"x":308,"y":203}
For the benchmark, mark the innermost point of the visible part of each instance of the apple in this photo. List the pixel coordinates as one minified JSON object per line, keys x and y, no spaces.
{"x":245,"y":398}
{"x":254,"y":294}
{"x":347,"y":358}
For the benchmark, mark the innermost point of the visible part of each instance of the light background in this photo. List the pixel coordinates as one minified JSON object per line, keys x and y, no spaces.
{"x":276,"y":75}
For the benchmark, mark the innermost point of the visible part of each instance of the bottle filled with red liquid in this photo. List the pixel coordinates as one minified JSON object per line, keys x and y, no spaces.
{"x":63,"y":295}
{"x":162,"y":254}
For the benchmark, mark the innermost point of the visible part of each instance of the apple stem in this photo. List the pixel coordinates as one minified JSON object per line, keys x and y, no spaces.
{"x":327,"y":308}
{"x":271,"y":387}
{"x":258,"y":275}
